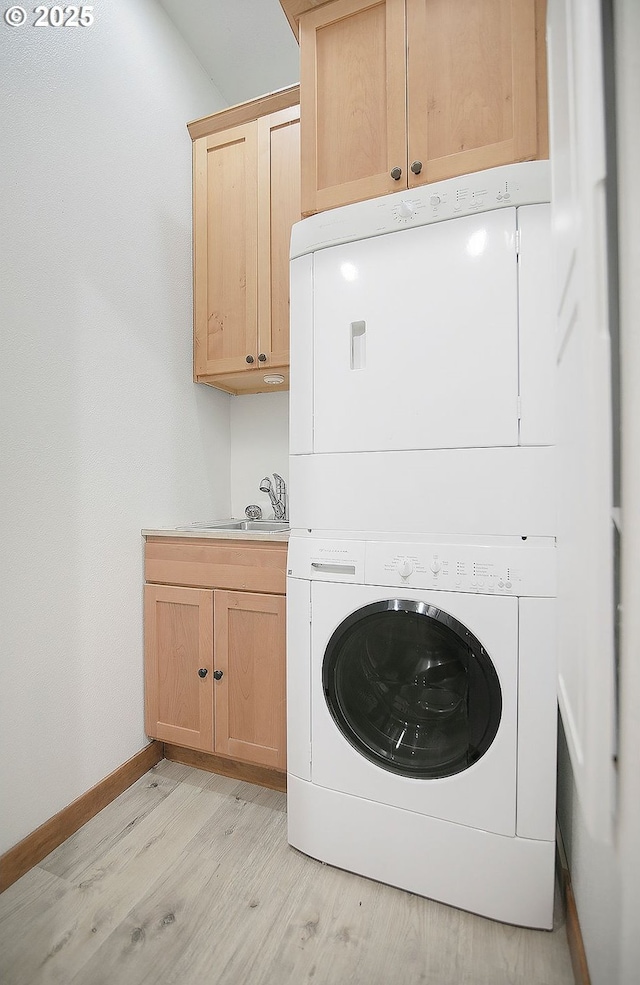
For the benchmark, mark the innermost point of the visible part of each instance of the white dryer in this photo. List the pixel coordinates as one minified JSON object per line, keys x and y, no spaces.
{"x":422,"y":320}
{"x":422,"y":716}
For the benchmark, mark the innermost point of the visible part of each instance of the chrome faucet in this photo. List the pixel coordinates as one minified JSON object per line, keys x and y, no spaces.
{"x":278,"y":496}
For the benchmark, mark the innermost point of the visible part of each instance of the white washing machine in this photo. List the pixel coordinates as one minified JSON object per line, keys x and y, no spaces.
{"x":422,"y":715}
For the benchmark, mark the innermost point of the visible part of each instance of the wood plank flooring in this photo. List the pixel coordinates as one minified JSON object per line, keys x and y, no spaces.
{"x":187,"y":879}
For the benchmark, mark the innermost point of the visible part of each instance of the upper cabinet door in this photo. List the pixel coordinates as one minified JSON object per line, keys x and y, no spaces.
{"x":353,"y":106}
{"x":225,"y":254}
{"x":278,"y":209}
{"x":471,"y":86}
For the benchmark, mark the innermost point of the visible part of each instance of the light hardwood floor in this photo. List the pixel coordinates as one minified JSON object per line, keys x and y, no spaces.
{"x":187,"y":879}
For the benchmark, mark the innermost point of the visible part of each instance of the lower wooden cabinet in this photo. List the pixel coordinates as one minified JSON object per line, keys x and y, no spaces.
{"x":215,"y":657}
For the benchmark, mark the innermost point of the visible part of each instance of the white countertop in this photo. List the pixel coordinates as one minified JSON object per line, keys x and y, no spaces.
{"x":216,"y":533}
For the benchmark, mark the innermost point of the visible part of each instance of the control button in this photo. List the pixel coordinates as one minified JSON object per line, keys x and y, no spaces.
{"x":508,"y":584}
{"x":501,"y":584}
{"x":435,"y":200}
{"x":481,"y":583}
{"x":404,"y":567}
{"x":458,"y":583}
{"x":435,"y":567}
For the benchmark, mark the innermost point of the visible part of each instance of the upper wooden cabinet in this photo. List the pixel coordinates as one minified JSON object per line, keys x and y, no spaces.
{"x":398,"y":93}
{"x":246,"y":196}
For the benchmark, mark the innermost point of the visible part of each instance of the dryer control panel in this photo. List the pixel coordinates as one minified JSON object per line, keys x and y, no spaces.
{"x":525,"y":183}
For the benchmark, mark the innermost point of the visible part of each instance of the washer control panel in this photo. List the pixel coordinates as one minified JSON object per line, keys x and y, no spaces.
{"x":527,"y":571}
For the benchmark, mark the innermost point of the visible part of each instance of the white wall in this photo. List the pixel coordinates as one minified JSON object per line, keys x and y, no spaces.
{"x":259,"y":447}
{"x":248,"y":48}
{"x":103,"y":432}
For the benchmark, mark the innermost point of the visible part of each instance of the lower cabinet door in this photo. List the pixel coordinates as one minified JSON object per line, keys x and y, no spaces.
{"x":178,"y":629}
{"x":250,"y":721}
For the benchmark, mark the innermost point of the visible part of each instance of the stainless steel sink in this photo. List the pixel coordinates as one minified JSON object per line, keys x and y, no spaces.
{"x":263,"y":526}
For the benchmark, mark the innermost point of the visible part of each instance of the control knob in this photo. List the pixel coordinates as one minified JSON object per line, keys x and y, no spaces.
{"x":435,"y":567}
{"x":404,"y":567}
{"x":405,"y":210}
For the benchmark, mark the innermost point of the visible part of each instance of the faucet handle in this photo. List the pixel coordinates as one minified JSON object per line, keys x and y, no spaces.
{"x":280,"y":507}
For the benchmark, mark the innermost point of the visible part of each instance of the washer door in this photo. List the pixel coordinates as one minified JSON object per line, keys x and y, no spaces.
{"x":412,"y":689}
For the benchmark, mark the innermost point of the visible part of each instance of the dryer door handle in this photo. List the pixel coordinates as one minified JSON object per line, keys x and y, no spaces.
{"x":358,"y":339}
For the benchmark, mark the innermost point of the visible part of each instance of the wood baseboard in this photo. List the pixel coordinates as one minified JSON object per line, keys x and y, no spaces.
{"x":574,"y":934}
{"x":36,"y":846}
{"x":262,"y":775}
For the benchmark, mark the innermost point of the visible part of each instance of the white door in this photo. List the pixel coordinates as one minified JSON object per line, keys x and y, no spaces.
{"x":586,"y":610}
{"x":416,"y":338}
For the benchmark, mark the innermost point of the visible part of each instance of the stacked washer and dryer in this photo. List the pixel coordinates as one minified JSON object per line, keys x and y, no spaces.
{"x":421,"y":576}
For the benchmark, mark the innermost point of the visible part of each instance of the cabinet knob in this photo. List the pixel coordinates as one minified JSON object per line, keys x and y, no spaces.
{"x":249,"y":359}
{"x":396,"y":173}
{"x":416,"y":167}
{"x":262,"y":357}
{"x":217,"y":674}
{"x":203,"y":672}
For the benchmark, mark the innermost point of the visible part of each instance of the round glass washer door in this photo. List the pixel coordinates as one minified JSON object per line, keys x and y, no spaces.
{"x":412,"y":689}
